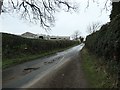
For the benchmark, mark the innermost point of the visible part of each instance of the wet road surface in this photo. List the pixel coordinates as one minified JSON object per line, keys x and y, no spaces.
{"x":57,"y":71}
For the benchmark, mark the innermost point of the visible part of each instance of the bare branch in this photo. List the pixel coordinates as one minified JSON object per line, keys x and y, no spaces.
{"x":40,"y":10}
{"x":95,"y":26}
{"x":43,"y":10}
{"x":76,"y":35}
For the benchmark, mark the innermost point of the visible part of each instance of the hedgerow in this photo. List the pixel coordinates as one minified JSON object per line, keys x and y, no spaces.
{"x":15,"y":46}
{"x":105,"y":43}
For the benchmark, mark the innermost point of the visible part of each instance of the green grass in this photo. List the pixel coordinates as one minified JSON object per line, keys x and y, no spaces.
{"x":95,"y":71}
{"x":12,"y":62}
{"x":6,"y":63}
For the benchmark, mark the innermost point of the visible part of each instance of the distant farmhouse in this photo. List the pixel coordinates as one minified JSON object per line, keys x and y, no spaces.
{"x":59,"y":38}
{"x":44,"y":37}
{"x":29,"y":35}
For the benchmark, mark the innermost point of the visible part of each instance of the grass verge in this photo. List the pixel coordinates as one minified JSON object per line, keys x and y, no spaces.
{"x":95,"y":71}
{"x":6,"y":63}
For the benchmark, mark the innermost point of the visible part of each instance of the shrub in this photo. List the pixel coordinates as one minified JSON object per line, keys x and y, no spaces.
{"x":15,"y":46}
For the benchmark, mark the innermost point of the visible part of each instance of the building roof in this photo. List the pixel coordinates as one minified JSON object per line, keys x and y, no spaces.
{"x":28,"y":34}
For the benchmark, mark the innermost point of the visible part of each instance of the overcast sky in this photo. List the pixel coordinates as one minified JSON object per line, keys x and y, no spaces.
{"x":66,"y":23}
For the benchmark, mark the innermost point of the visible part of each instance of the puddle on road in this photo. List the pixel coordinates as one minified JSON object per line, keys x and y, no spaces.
{"x":53,"y":60}
{"x":29,"y":70}
{"x":48,"y":62}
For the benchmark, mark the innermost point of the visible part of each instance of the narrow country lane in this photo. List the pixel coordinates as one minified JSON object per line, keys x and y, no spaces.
{"x":69,"y":75}
{"x":62,"y":70}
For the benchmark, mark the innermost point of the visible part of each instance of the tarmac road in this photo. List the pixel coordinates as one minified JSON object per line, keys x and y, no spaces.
{"x":62,"y":70}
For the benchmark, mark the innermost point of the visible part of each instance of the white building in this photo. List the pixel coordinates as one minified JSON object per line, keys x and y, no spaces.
{"x":59,"y":38}
{"x":45,"y":37}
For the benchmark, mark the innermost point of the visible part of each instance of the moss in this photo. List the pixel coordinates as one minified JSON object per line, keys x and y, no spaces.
{"x":95,"y":71}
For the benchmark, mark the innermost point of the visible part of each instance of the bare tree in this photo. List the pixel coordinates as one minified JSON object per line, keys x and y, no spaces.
{"x":95,"y":26}
{"x":38,"y":10}
{"x":76,"y":35}
{"x":81,"y":39}
{"x":41,"y":10}
{"x":107,"y":4}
